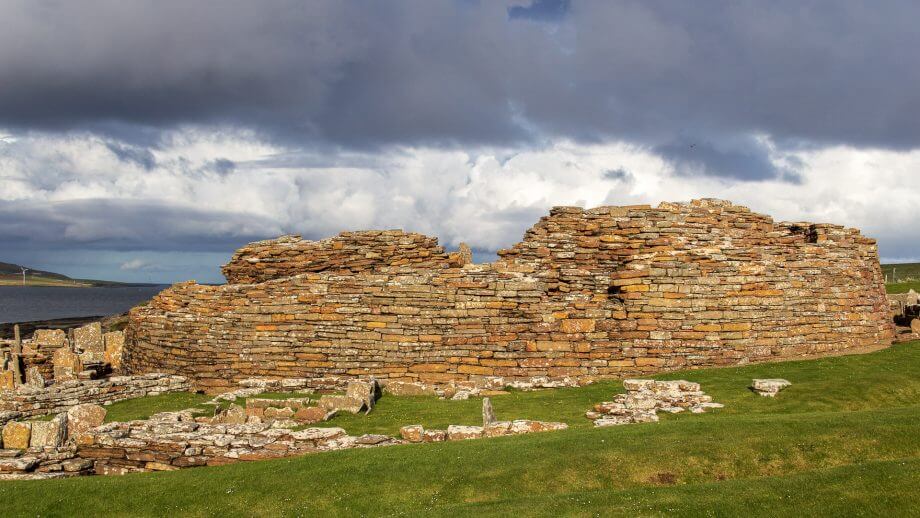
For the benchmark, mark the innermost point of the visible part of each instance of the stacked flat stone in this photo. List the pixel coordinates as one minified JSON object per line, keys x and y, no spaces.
{"x":645,"y":398}
{"x":30,"y":401}
{"x":42,"y":463}
{"x":174,"y":440}
{"x":347,"y":252}
{"x":588,"y":294}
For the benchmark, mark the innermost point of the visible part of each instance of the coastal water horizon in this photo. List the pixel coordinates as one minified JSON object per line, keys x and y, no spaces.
{"x":30,"y":303}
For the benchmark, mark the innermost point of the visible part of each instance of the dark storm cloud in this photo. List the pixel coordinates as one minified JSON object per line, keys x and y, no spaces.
{"x":132,"y":225}
{"x":746,"y":160}
{"x":540,"y":10}
{"x":365,"y":73}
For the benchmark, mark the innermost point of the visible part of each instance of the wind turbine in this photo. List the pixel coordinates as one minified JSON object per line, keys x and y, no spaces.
{"x":24,"y":270}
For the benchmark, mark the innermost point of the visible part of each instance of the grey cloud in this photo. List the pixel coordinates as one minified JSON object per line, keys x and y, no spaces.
{"x":129,"y":153}
{"x":130,"y":225}
{"x":618,"y":175}
{"x":540,"y":10}
{"x":745,"y":160}
{"x":365,"y":74}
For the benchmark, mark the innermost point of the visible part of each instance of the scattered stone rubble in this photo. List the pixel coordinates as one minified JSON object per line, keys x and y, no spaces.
{"x":769,"y":387}
{"x":491,"y":427}
{"x":359,"y":396}
{"x":78,"y":443}
{"x":645,"y":398}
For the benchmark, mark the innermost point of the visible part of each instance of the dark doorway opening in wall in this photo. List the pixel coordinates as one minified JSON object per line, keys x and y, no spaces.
{"x":810,"y":232}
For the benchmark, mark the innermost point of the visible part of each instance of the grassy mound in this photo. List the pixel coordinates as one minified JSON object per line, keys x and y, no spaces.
{"x":843,"y":439}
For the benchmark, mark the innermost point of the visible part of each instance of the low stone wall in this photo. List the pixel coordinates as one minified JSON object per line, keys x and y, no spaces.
{"x":43,"y":464}
{"x":175,"y":440}
{"x":60,"y":397}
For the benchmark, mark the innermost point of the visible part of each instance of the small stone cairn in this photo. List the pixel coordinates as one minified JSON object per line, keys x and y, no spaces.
{"x":644,"y":398}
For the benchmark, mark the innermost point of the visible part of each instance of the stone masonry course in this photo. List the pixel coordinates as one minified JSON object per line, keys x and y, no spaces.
{"x":587,"y":294}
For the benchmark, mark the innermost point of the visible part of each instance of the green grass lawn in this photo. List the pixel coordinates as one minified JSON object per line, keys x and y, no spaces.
{"x":901,"y":277}
{"x":142,"y":408}
{"x":844,"y":439}
{"x":902,"y":287}
{"x":901,"y":271}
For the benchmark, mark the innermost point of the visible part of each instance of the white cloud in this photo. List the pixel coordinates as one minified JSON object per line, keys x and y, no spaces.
{"x":485,"y":197}
{"x":134,"y":264}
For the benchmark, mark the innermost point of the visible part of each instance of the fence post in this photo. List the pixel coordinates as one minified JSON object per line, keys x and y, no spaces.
{"x":17,"y":354}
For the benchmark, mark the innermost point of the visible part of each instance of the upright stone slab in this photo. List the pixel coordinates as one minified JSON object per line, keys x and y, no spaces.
{"x":7,"y":381}
{"x":488,"y":415}
{"x":114,"y":343}
{"x":49,"y":433}
{"x":67,"y":365}
{"x":34,"y":377}
{"x":84,"y":417}
{"x":88,"y":339}
{"x":16,"y":435}
{"x":49,"y":338}
{"x":365,"y":391}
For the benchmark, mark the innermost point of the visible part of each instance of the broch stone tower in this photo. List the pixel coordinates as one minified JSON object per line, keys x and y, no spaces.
{"x":605,"y":292}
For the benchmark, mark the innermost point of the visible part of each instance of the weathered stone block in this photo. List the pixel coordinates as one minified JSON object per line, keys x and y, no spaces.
{"x":412,"y":433}
{"x":114,"y":344}
{"x":67,"y":365}
{"x":459,"y":433}
{"x":769,"y":387}
{"x":49,"y":338}
{"x":82,"y":418}
{"x":7,"y":381}
{"x":16,"y":435}
{"x":88,"y":338}
{"x":310,"y":415}
{"x":341,"y":403}
{"x":49,"y":433}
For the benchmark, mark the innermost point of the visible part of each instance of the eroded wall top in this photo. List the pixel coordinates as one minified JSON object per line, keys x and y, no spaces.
{"x":348,"y":252}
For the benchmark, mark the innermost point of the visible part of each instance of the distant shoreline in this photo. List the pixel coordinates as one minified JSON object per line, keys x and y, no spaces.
{"x":74,"y":283}
{"x":27,"y":328}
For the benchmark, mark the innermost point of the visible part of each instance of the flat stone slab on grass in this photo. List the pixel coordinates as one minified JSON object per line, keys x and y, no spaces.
{"x":769,"y":387}
{"x":417,"y":433}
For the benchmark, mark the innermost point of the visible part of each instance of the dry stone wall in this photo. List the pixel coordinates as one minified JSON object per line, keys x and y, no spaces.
{"x":348,"y":252}
{"x":605,"y":292}
{"x":60,"y":397}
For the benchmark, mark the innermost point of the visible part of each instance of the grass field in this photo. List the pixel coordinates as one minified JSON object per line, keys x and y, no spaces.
{"x":37,"y":280}
{"x":844,"y":439}
{"x":902,"y":277}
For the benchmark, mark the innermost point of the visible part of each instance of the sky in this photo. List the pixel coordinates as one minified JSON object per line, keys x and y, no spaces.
{"x":147,"y":140}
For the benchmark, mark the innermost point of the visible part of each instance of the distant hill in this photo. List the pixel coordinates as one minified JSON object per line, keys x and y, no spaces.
{"x":10,"y":268}
{"x":11,"y":275}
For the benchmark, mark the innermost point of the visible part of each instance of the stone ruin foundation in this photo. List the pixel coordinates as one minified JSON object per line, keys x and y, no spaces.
{"x":587,"y":294}
{"x":645,"y":398}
